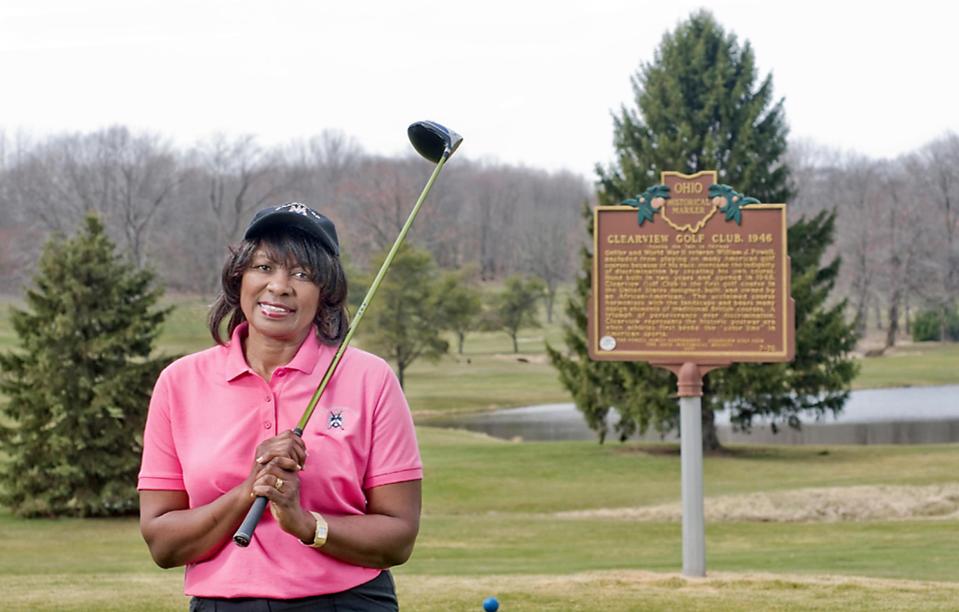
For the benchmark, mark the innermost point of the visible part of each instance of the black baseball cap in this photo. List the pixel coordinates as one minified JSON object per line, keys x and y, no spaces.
{"x":300,"y":216}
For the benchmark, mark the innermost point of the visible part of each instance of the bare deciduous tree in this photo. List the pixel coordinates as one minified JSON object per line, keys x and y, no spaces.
{"x":549,"y":232}
{"x":859,"y":195}
{"x":940,"y":162}
{"x":140,"y":175}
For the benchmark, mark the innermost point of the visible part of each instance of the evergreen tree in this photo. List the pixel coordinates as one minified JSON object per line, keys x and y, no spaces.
{"x":406,"y":318}
{"x":817,"y":380}
{"x":514,"y":307}
{"x":699,"y":108}
{"x":79,"y":386}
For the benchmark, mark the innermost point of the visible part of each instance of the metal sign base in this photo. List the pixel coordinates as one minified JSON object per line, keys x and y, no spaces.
{"x":691,"y":446}
{"x":689,"y":385}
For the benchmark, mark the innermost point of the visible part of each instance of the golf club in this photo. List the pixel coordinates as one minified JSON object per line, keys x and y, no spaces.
{"x":436,"y":143}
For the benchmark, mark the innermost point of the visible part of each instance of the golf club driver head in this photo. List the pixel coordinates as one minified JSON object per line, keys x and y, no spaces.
{"x":432,"y":140}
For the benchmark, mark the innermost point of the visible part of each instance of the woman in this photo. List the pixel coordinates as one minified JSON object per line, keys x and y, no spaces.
{"x":344,"y":499}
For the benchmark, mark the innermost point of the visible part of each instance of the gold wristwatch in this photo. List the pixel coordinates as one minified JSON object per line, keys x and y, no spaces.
{"x":319,"y":537}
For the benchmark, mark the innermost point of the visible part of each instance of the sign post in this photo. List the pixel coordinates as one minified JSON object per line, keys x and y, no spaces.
{"x":689,"y":276}
{"x":691,"y":449}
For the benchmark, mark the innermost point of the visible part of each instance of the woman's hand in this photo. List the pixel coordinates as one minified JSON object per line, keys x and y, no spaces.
{"x":286,"y":444}
{"x":276,"y":477}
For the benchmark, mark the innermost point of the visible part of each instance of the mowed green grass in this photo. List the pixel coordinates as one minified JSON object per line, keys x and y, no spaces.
{"x":489,"y":528}
{"x":912,"y":365}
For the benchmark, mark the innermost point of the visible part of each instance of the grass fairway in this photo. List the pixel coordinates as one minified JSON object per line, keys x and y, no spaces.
{"x":912,"y":365}
{"x":492,"y":526}
{"x":542,"y":526}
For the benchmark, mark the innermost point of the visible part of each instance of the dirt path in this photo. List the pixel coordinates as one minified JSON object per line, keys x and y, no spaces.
{"x":858,"y":503}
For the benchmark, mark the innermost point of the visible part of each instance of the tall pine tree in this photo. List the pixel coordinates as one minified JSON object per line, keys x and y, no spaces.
{"x":699,"y":107}
{"x":78,"y":386}
{"x":406,"y":319}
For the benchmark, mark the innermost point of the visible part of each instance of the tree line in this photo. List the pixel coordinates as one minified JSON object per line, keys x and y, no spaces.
{"x":897,"y":233}
{"x":897,"y":220}
{"x":176,"y":209}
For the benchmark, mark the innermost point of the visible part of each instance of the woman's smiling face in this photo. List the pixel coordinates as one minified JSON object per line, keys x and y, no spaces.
{"x":279,"y":299}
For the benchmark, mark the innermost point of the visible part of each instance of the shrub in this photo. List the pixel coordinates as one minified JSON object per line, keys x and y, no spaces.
{"x":927,"y":326}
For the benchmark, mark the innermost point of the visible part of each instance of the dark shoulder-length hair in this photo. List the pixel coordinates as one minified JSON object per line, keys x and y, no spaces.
{"x":295,"y":248}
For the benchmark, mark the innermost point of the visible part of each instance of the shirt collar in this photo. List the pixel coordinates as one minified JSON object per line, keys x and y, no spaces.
{"x":307,"y":355}
{"x":305,"y":359}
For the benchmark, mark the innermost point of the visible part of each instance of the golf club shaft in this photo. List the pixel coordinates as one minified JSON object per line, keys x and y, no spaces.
{"x":244,"y":534}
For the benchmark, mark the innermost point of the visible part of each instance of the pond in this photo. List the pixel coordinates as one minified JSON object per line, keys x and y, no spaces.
{"x":910,"y":415}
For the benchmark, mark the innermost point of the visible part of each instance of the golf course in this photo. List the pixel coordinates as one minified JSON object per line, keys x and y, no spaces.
{"x":584,"y":526}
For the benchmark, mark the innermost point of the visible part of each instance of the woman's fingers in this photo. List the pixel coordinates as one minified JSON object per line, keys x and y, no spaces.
{"x":287,"y":444}
{"x":277,"y":488}
{"x":283,"y":463}
{"x":274,"y":487}
{"x":277,"y":483}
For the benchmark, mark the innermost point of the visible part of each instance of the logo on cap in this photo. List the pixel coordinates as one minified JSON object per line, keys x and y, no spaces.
{"x":300,"y":209}
{"x":305,"y":219}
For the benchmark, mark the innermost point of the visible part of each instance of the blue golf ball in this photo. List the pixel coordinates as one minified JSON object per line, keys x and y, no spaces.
{"x":490,"y":604}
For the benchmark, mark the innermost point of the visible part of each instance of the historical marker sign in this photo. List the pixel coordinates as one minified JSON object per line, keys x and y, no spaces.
{"x":691,"y":271}
{"x":691,"y":275}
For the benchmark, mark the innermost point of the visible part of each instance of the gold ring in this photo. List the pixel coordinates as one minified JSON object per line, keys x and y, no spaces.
{"x":278,"y":485}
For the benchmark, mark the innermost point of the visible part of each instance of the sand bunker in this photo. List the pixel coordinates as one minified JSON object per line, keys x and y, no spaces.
{"x":828,"y":504}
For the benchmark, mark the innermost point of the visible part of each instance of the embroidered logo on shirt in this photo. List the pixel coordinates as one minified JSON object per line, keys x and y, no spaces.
{"x":335,"y":420}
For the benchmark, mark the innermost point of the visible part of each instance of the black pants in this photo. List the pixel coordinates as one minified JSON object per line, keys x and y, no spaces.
{"x":377,"y":595}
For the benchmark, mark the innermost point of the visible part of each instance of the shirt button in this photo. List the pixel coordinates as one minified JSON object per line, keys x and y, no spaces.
{"x":267,"y":425}
{"x":269,"y":399}
{"x":281,"y":373}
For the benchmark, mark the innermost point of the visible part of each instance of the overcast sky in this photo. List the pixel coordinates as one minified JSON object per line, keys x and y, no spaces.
{"x":524,"y":82}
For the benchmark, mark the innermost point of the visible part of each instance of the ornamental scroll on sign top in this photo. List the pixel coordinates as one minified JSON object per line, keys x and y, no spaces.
{"x":690,"y":270}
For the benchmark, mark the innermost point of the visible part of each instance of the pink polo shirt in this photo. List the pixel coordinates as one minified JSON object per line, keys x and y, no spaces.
{"x":208,"y":413}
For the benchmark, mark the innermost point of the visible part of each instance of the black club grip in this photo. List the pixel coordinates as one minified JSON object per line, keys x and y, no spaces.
{"x":244,"y":534}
